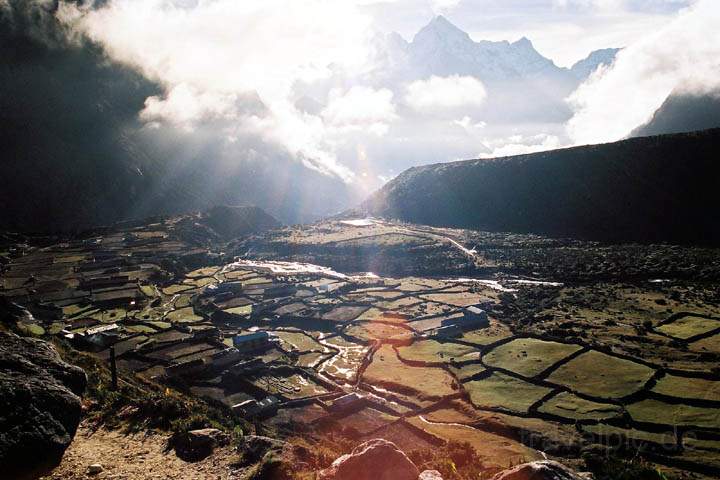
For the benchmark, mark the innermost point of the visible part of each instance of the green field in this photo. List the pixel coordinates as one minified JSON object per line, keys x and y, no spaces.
{"x":297,"y":341}
{"x":688,"y":327}
{"x":684,"y":387}
{"x":424,"y":383}
{"x":432,"y":351}
{"x":600,"y":375}
{"x":655,"y":411}
{"x":466,"y":371}
{"x":632,"y":437}
{"x":243,"y":310}
{"x":528,"y":356}
{"x":570,"y":406}
{"x":183,"y":315}
{"x":485,"y":336}
{"x":505,"y":392}
{"x":173,"y":289}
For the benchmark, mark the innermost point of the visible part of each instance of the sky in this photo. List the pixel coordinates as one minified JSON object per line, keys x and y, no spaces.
{"x":217,"y":60}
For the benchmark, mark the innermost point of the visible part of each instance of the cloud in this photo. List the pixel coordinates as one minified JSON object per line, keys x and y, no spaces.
{"x":467,"y":124}
{"x":440,"y":6}
{"x":445,"y":92}
{"x":618,"y":5}
{"x":519,"y":145}
{"x":212,"y":56}
{"x":360,"y":107}
{"x":683,"y":55}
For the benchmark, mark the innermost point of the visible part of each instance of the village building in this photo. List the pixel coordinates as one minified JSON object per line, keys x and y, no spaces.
{"x":472,"y":317}
{"x":346,"y":403}
{"x":118,"y":298}
{"x":257,"y":408}
{"x":104,"y":282}
{"x":190,"y":367}
{"x":251,"y":341}
{"x":225,"y":357}
{"x":475,"y":316}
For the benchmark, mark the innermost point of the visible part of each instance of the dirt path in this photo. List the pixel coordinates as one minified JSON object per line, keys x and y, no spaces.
{"x":137,"y":456}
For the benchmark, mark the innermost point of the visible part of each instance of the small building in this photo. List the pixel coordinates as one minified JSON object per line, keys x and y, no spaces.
{"x":95,"y":338}
{"x":118,"y":298}
{"x":251,"y":341}
{"x":472,"y":317}
{"x":257,"y":408}
{"x":113,"y":281}
{"x":449,"y":331}
{"x":222,"y":288}
{"x":476,"y":316}
{"x":101,"y":329}
{"x":190,"y":367}
{"x":226,"y":357}
{"x":248,"y":366}
{"x":346,"y":402}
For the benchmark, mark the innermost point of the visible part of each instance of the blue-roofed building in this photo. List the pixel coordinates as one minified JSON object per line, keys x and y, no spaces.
{"x":251,"y":341}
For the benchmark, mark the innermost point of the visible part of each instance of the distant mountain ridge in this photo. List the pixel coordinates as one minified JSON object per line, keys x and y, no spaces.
{"x":652,"y":189}
{"x":523,"y":86}
{"x":587,"y":66}
{"x":441,"y":48}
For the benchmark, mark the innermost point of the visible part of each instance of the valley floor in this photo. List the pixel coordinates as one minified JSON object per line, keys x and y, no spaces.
{"x":521,"y":346}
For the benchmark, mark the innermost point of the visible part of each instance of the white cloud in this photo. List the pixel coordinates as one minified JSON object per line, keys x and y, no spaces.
{"x":211,"y":55}
{"x":518,"y":145}
{"x":360,"y":107}
{"x":467,"y":124}
{"x":682,"y":55}
{"x":183,"y":106}
{"x":445,"y":92}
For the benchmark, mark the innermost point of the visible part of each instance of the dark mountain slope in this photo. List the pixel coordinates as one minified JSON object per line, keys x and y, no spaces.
{"x":230,"y":222}
{"x":644,"y":189}
{"x":683,"y":112}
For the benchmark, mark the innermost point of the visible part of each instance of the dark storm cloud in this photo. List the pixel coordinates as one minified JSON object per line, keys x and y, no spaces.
{"x":73,"y":151}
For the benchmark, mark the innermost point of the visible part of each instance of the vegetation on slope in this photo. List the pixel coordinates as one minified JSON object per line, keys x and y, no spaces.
{"x":642,"y":189}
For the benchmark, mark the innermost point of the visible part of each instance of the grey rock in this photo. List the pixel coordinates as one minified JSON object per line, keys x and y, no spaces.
{"x":540,"y":470}
{"x":373,"y":460}
{"x":195,"y":445}
{"x":41,"y":405}
{"x":254,"y":447}
{"x":430,"y":475}
{"x":94,"y":469}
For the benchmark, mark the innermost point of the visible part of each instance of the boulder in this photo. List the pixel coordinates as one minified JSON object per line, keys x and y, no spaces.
{"x":539,"y":470}
{"x":41,"y":405}
{"x":254,"y":447}
{"x":275,"y":459}
{"x":195,"y":445}
{"x":373,"y":460}
{"x":430,"y":475}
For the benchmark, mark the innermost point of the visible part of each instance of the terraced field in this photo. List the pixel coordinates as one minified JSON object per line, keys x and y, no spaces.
{"x":554,"y":371}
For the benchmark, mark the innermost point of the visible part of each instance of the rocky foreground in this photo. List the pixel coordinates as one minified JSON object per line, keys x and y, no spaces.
{"x":41,"y":405}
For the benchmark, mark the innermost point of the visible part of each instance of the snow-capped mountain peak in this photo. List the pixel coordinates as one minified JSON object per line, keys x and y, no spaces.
{"x":585,"y":67}
{"x":441,"y":33}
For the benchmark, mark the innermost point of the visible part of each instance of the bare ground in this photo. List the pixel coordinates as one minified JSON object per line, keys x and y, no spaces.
{"x":137,"y":456}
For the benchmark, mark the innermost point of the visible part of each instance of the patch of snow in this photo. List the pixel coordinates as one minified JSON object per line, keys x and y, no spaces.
{"x":361,"y":222}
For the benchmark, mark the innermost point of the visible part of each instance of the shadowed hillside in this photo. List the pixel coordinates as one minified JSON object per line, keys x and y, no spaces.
{"x":683,"y":112}
{"x":659,"y":189}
